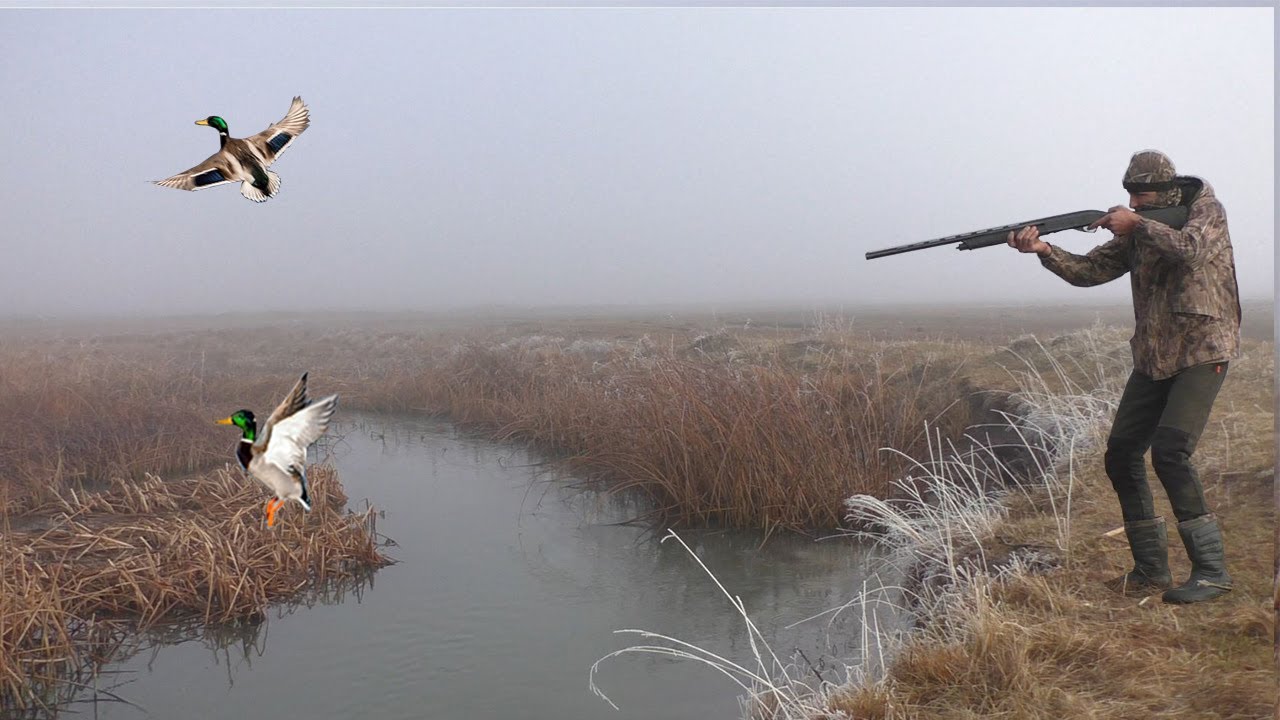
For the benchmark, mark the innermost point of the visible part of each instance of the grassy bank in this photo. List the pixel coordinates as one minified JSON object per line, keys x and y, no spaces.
{"x":79,"y":575}
{"x":1018,"y":623}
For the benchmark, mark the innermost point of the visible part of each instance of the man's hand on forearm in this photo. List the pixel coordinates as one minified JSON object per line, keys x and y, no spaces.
{"x":1028,"y":240}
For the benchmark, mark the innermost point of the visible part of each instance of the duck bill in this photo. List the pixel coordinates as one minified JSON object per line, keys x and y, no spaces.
{"x":202,"y":122}
{"x":224,"y":421}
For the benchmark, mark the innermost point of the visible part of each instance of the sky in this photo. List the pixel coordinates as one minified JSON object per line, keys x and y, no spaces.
{"x":462,"y":157}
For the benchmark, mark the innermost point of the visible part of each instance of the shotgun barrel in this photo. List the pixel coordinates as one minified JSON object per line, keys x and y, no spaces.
{"x":1174,"y":216}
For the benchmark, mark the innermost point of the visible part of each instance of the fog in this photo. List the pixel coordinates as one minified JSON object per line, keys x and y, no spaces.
{"x":539,"y":157}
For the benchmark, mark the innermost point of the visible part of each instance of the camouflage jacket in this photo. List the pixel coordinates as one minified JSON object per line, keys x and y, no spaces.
{"x":1185,"y":301}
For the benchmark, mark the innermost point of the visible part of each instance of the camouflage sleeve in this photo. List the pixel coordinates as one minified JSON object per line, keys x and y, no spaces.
{"x":1203,"y":236}
{"x":1102,"y":264}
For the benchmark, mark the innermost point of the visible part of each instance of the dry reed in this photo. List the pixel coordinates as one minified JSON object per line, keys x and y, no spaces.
{"x":139,"y":554}
{"x":751,"y":437}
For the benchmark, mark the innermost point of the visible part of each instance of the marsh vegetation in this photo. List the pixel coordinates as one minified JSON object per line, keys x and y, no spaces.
{"x":121,"y":512}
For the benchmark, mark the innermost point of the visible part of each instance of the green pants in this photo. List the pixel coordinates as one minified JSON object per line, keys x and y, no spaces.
{"x":1168,"y":417}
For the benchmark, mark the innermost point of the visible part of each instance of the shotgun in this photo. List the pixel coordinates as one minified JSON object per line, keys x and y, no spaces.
{"x":1174,"y":216}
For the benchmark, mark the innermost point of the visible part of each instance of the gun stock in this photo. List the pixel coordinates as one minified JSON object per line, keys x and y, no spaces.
{"x":1174,"y":217}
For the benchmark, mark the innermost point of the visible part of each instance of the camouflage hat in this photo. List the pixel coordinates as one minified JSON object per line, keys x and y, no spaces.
{"x":1153,"y":171}
{"x":1149,"y":170}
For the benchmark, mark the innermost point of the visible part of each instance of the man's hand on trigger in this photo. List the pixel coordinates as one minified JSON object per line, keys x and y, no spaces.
{"x":1119,"y":220}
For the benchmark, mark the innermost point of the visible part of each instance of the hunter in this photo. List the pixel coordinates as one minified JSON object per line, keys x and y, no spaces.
{"x":1187,"y":313}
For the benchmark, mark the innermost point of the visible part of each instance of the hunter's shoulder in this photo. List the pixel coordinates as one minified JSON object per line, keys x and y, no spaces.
{"x":1203,"y":189}
{"x":1205,"y":202}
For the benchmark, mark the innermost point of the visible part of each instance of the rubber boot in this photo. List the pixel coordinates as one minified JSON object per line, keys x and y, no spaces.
{"x":1209,"y":578}
{"x":1149,"y":543}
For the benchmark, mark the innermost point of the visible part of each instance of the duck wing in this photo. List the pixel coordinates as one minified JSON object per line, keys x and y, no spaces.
{"x":217,"y":169}
{"x":292,"y":403}
{"x":272,"y":142}
{"x":290,"y":437}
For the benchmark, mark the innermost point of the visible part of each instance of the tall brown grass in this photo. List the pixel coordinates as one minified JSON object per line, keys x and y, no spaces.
{"x":759,"y":439}
{"x":759,"y":429}
{"x":87,"y":418}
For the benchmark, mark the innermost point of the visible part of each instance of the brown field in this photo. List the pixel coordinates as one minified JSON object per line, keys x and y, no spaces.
{"x":114,"y":476}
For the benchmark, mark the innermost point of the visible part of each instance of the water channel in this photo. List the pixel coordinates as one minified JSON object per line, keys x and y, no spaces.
{"x":509,"y":584}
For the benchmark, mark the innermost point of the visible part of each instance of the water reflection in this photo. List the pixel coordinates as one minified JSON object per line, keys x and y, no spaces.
{"x":116,"y":654}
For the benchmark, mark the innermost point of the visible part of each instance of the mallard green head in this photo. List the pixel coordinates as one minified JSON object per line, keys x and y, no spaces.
{"x":242,"y":419}
{"x":214,"y":122}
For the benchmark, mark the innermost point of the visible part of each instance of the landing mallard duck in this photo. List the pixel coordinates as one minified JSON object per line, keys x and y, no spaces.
{"x":245,"y":160}
{"x":277,"y":458}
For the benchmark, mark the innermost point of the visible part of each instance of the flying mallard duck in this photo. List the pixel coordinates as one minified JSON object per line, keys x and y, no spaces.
{"x":278,"y":457}
{"x":245,"y":160}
